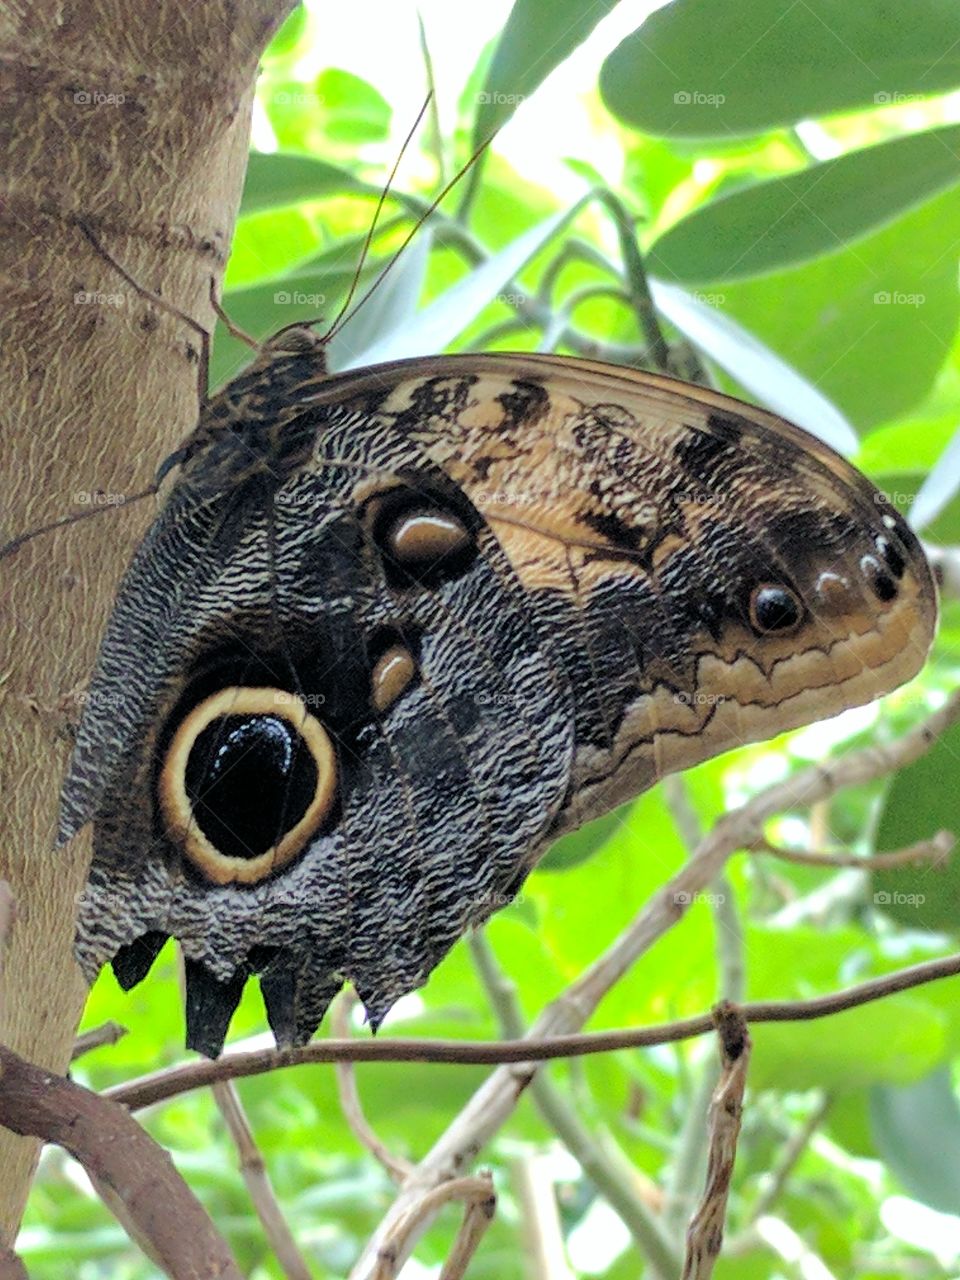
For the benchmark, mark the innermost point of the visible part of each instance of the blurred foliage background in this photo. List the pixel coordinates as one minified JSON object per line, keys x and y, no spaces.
{"x":791,"y":170}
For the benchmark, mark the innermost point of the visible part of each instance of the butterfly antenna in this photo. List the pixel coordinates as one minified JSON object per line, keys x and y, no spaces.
{"x":368,"y":238}
{"x":8,"y":548}
{"x":148,"y":294}
{"x":424,"y":217}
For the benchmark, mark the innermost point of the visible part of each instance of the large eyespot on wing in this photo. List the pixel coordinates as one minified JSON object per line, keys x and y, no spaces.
{"x":393,"y":613}
{"x":248,"y":777}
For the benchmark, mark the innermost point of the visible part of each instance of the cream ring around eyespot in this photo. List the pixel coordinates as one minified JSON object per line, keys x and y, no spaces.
{"x":176,"y":807}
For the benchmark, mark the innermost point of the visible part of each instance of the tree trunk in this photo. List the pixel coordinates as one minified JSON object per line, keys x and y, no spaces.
{"x":135,"y":118}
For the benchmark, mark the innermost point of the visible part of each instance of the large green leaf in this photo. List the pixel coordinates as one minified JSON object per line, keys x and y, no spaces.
{"x":896,"y":1040}
{"x":352,"y":109}
{"x":871,"y":324}
{"x":538,"y":36}
{"x":696,"y":68}
{"x":787,"y":220}
{"x":916,"y":1129}
{"x":923,"y":798}
{"x":276,"y":179}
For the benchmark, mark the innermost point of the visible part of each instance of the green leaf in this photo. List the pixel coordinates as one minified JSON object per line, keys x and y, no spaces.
{"x":922,"y":799}
{"x":538,"y":36}
{"x":274,"y":180}
{"x":802,"y":215}
{"x":392,"y":309}
{"x":698,"y":69}
{"x":353,"y":110}
{"x":871,"y":324}
{"x":436,"y":326}
{"x":917,"y":1132}
{"x":289,"y":36}
{"x":577,"y":846}
{"x":890,"y":1041}
{"x":755,"y":367}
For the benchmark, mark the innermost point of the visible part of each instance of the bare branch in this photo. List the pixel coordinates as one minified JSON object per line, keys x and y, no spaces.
{"x":705,"y":1233}
{"x":114,"y":1150}
{"x":254,"y":1171}
{"x":544,"y":1252}
{"x":350,"y":1103}
{"x":162,"y":1085}
{"x":106,"y":1033}
{"x":476,"y":1193}
{"x":935,"y":850}
{"x":607,"y":1169}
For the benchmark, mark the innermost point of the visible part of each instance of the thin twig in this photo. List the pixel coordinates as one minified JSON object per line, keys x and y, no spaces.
{"x":116,"y":1152}
{"x":613,"y":1178}
{"x":106,"y":1033}
{"x":473,"y":1192}
{"x":254,"y":1171}
{"x":705,"y":1233}
{"x":794,"y":1149}
{"x":935,"y":850}
{"x":544,"y":1250}
{"x":689,"y":1158}
{"x":350,"y":1103}
{"x":7,"y":912}
{"x":171,"y":1082}
{"x":476,"y":1219}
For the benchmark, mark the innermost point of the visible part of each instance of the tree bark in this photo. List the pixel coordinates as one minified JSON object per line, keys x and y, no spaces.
{"x":135,"y":118}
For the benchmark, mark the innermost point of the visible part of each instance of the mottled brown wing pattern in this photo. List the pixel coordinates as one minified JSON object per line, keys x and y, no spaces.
{"x":397,"y":629}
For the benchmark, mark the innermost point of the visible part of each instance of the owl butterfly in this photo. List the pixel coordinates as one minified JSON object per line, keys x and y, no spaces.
{"x":395,"y":630}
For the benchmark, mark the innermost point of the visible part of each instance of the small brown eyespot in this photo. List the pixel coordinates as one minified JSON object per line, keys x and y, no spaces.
{"x":249,"y":776}
{"x":420,"y":539}
{"x":774,"y":608}
{"x":393,"y":673}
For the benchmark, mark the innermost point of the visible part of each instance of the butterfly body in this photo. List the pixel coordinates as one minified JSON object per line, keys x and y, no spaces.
{"x":396,"y":629}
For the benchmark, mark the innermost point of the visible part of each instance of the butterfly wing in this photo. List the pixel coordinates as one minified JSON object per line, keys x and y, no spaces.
{"x":508,"y":593}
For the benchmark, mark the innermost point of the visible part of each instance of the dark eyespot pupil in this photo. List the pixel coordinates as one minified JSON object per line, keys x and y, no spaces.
{"x":422,"y":541}
{"x":774,"y":609}
{"x":894,"y":560}
{"x":880,"y":582}
{"x":250,"y":779}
